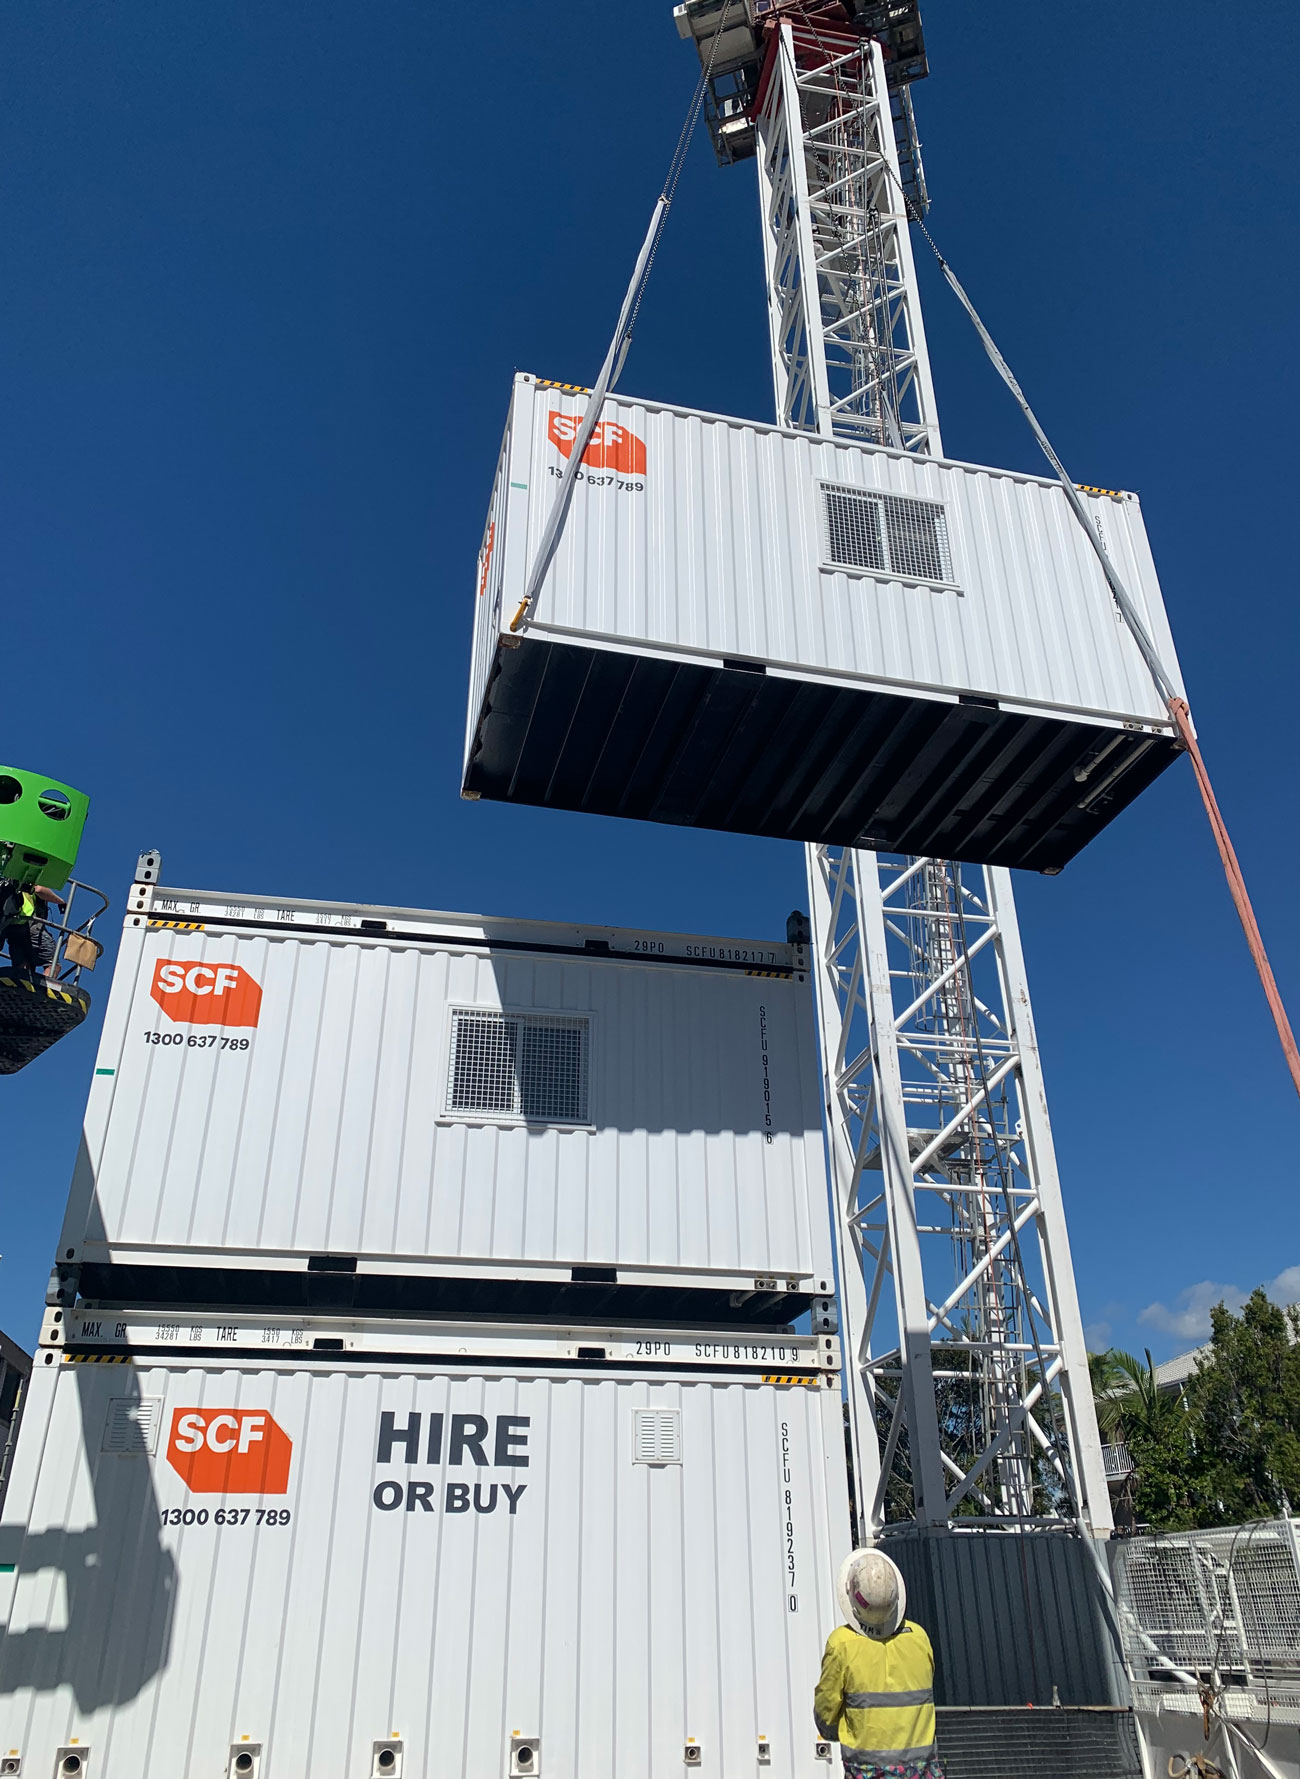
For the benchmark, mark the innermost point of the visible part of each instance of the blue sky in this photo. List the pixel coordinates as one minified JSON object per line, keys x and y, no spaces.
{"x":268,"y":271}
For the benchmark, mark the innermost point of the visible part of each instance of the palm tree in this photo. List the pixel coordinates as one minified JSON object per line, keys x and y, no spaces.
{"x":1142,"y":1406}
{"x":1111,"y":1373}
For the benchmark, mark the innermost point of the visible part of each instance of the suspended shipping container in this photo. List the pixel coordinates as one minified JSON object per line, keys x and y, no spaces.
{"x":343,"y":1093}
{"x":776,"y":633}
{"x":280,"y":1568}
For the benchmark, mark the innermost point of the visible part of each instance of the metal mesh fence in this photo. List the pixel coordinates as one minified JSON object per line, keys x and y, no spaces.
{"x":1223,"y":1606}
{"x":1005,"y":1743}
{"x":524,"y":1065}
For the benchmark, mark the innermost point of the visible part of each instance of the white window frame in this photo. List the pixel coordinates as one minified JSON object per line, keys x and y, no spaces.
{"x":516,"y":1120}
{"x":831,"y":565}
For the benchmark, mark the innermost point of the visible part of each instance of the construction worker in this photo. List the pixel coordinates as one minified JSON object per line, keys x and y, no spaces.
{"x":876,"y":1691}
{"x":31,"y":945}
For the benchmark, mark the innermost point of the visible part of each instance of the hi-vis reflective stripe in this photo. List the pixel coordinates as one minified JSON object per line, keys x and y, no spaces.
{"x":886,"y":1757}
{"x":180,"y":926}
{"x":921,"y":1695}
{"x":773,"y":1377}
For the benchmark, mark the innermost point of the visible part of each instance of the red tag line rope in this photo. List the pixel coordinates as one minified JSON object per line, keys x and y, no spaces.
{"x":1237,"y":886}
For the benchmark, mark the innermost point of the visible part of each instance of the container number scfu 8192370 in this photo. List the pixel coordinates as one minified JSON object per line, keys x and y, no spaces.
{"x":787,"y":1502}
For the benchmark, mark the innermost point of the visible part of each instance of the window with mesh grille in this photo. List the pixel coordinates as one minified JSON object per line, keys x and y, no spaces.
{"x":519,"y":1065}
{"x":887,"y":533}
{"x":656,"y":1436}
{"x":131,"y":1425}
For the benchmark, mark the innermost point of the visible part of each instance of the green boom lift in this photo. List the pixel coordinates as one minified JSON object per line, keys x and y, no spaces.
{"x":41,"y":998}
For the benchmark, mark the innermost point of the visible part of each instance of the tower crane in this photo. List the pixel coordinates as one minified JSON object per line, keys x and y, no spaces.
{"x":970,"y":1402}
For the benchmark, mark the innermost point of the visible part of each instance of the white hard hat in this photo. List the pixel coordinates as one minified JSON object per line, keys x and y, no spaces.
{"x":873,"y":1594}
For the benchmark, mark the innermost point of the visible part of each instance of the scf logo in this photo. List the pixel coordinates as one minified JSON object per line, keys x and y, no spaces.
{"x":206,"y":994}
{"x":612,"y":446}
{"x":229,"y":1451}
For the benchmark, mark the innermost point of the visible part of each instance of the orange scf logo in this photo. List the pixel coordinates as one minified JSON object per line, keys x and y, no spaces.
{"x":612,"y":446}
{"x":229,"y":1451}
{"x":195,"y":993}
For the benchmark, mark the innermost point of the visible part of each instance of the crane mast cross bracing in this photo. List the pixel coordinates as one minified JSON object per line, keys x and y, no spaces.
{"x":967,"y":1351}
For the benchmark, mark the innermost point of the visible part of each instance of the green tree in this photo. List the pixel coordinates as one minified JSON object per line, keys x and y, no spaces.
{"x":1245,"y":1403}
{"x":1160,"y":1435}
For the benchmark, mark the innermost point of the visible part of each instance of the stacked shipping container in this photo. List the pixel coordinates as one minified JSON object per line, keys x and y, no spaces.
{"x":449,"y":1267}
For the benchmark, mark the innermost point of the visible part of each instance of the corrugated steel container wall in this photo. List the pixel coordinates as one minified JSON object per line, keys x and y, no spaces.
{"x":1016,"y":1618}
{"x":718,"y":549}
{"x":612,"y":1608}
{"x":702,"y":651}
{"x":323,"y":1129}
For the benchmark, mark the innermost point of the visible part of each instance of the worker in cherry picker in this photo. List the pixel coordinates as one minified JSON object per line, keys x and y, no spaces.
{"x":30,"y":942}
{"x":876,"y":1691}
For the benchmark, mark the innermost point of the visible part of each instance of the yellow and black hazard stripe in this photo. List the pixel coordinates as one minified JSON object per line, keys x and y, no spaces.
{"x":781,"y":975}
{"x":52,"y":990}
{"x":179,"y":926}
{"x":568,"y":388}
{"x":788,"y":1377}
{"x":97,"y":1358}
{"x":1114,"y":493}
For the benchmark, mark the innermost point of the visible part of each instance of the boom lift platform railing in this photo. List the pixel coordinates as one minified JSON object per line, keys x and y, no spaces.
{"x":38,"y":1008}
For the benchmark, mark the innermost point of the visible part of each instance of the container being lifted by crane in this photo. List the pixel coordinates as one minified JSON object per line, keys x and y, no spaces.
{"x":809,"y":637}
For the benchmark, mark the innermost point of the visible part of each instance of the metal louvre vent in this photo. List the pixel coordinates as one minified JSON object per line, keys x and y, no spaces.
{"x":656,"y":1436}
{"x":521,"y":1065}
{"x":131,"y":1425}
{"x":887,"y":533}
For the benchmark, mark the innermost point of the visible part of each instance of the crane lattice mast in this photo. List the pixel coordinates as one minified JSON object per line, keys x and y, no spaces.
{"x":970,"y":1400}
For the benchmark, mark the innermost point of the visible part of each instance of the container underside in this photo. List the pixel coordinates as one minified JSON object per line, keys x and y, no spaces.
{"x":565,"y":726}
{"x":178,"y":1288}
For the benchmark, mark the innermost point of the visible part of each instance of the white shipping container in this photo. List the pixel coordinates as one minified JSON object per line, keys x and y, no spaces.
{"x":450,"y":1096}
{"x":226,"y":1334}
{"x":778,"y":633}
{"x":311,"y":1564}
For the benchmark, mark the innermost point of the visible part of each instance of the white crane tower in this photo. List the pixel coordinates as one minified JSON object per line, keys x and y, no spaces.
{"x":971,"y":1375}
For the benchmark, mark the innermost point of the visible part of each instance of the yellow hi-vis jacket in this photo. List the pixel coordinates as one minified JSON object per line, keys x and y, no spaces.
{"x":878,"y":1696}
